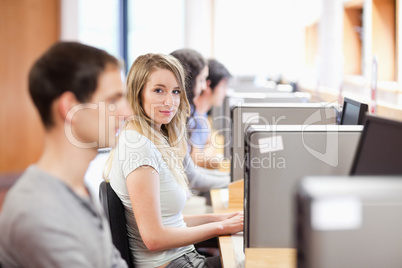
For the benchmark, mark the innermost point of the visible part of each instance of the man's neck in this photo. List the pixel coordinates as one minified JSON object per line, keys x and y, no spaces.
{"x":66,"y":162}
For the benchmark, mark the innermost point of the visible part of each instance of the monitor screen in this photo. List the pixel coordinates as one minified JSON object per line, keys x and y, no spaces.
{"x":380,"y":148}
{"x":353,"y":112}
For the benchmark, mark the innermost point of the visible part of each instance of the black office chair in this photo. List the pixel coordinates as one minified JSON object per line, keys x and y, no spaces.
{"x":114,"y":211}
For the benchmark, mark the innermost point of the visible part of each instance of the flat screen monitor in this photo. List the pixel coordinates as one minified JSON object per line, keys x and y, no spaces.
{"x":353,"y":112}
{"x":272,"y":114}
{"x":349,"y":223}
{"x":380,"y":148}
{"x":241,"y":98}
{"x":276,"y":160}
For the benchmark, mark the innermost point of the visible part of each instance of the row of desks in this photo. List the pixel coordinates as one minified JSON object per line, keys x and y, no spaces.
{"x":231,"y":246}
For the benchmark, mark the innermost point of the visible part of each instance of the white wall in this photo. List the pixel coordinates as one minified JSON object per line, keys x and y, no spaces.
{"x":69,"y":20}
{"x":262,"y":37}
{"x":198,"y":26}
{"x":331,"y":44}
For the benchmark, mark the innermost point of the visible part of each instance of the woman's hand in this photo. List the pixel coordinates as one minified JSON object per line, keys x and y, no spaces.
{"x":225,"y":223}
{"x":233,"y":224}
{"x":225,"y":216}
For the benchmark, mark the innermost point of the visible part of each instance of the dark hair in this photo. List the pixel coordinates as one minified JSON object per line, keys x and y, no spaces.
{"x":66,"y":66}
{"x":193,"y":62}
{"x":217,"y":72}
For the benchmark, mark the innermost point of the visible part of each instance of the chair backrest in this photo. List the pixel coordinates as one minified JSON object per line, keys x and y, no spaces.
{"x":6,"y":181}
{"x":114,"y":211}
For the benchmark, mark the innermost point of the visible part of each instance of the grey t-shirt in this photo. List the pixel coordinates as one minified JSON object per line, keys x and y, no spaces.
{"x":44,"y":223}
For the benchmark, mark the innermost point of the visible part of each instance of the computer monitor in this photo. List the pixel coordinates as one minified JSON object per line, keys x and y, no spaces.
{"x":349,"y":223}
{"x":224,"y":121}
{"x":353,"y":112}
{"x":272,"y":114}
{"x":253,"y":93}
{"x":277,"y":159}
{"x":380,"y":148}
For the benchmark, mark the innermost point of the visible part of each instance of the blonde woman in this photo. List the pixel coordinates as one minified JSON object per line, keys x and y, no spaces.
{"x":146,"y":171}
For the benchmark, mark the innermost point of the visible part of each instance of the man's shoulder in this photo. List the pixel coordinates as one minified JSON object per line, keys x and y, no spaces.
{"x":33,"y":193}
{"x":25,"y":208}
{"x":33,"y":186}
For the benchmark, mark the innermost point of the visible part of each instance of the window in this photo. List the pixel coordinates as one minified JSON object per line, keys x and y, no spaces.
{"x":154,"y":26}
{"x":98,"y":24}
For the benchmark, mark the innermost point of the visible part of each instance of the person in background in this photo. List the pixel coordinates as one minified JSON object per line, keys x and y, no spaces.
{"x":217,"y":82}
{"x":200,"y":180}
{"x":212,"y":96}
{"x":49,"y":218}
{"x":196,"y":83}
{"x":146,"y":171}
{"x":196,"y":69}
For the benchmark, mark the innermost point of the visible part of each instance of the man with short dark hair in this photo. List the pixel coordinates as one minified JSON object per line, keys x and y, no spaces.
{"x":49,"y":218}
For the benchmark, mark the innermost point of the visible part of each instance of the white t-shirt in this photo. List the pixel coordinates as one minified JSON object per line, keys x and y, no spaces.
{"x":135,"y":150}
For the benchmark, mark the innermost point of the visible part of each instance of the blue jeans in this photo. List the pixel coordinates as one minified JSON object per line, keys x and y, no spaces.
{"x":195,"y":260}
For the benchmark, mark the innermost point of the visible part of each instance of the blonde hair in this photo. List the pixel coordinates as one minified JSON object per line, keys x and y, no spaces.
{"x":171,"y":141}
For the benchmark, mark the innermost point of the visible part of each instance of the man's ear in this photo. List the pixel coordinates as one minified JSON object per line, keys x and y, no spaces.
{"x":65,"y":103}
{"x":209,"y":83}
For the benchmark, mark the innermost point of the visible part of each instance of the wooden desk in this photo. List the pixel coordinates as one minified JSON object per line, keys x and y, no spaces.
{"x":225,"y":201}
{"x":226,"y":247}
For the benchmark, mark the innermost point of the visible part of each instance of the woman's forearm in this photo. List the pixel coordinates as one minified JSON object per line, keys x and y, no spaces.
{"x":170,"y":237}
{"x":195,"y":220}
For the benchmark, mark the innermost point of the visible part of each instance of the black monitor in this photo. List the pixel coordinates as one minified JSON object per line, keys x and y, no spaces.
{"x":353,"y":112}
{"x":380,"y":148}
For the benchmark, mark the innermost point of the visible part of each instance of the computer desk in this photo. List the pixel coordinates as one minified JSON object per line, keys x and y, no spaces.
{"x":230,"y":246}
